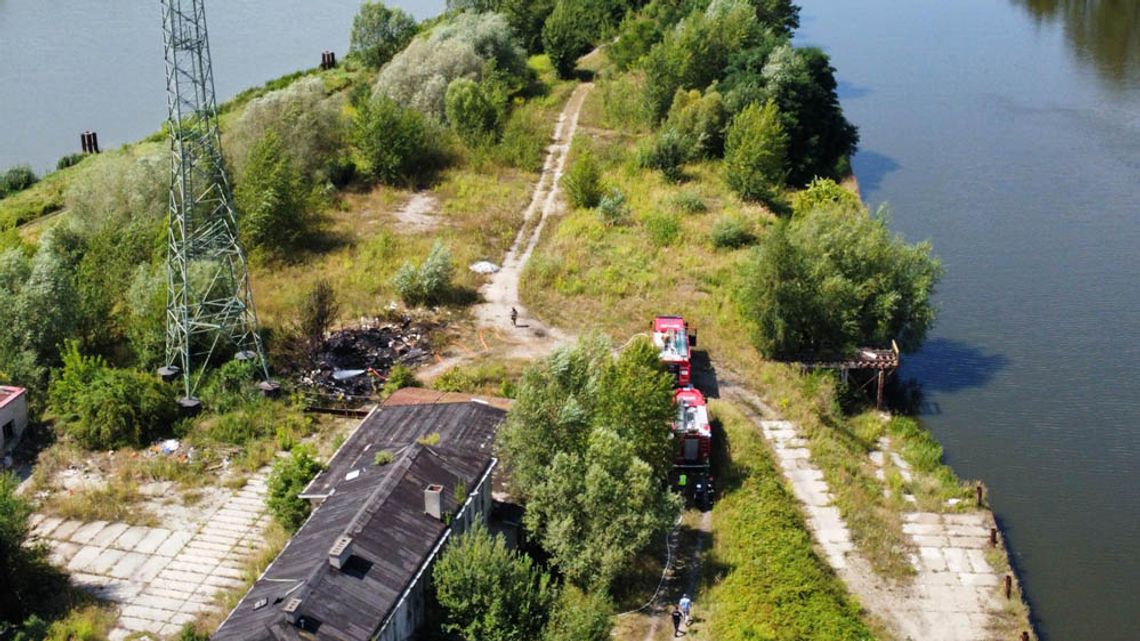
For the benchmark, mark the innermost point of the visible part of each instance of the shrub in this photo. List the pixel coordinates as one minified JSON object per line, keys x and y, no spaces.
{"x":399,"y":377}
{"x":583,"y":181}
{"x":308,"y":121}
{"x":755,"y":152}
{"x":286,"y":482}
{"x":471,"y":112}
{"x":272,"y":204}
{"x":231,"y":385}
{"x":580,"y":616}
{"x":825,"y":193}
{"x":106,"y":408}
{"x":612,"y":208}
{"x":623,"y":102}
{"x":395,"y":142}
{"x":383,"y":457}
{"x":527,"y":18}
{"x":700,"y":120}
{"x":687,"y":202}
{"x":33,"y":587}
{"x":830,"y":281}
{"x":70,"y":160}
{"x":567,"y":34}
{"x":378,"y":33}
{"x":730,"y":233}
{"x":430,"y":282}
{"x":667,"y":153}
{"x":16,"y":179}
{"x":636,"y":35}
{"x":524,"y":140}
{"x":663,"y":228}
{"x":318,"y":312}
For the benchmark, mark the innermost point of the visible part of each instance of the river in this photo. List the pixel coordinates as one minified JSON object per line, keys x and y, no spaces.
{"x":1008,"y":133}
{"x":68,"y":66}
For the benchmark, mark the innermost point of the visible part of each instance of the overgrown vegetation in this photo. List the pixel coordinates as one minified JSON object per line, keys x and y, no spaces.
{"x":288,"y":479}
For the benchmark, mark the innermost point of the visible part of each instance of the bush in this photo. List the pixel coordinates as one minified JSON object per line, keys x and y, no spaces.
{"x":623,"y":102}
{"x":274,"y":213}
{"x":700,"y":120}
{"x":318,"y":312}
{"x":399,"y":377}
{"x":471,"y":112}
{"x":105,"y":408}
{"x":70,"y":160}
{"x":830,"y":281}
{"x":583,"y":181}
{"x":567,"y":34}
{"x":755,"y":152}
{"x":687,"y":202}
{"x":428,"y":283}
{"x":663,"y":228}
{"x":613,"y":209}
{"x":286,"y":482}
{"x":825,"y":193}
{"x":580,"y":616}
{"x":730,"y":233}
{"x":378,"y":33}
{"x":490,"y":592}
{"x":668,"y":153}
{"x":33,"y":588}
{"x":16,"y":179}
{"x":396,"y":144}
{"x":524,"y":140}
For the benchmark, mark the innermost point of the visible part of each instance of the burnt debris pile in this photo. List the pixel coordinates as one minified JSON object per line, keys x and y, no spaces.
{"x":354,"y":361}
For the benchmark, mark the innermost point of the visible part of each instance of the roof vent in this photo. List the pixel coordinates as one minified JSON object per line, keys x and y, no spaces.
{"x":433,"y":503}
{"x":340,"y":551}
{"x":290,"y":610}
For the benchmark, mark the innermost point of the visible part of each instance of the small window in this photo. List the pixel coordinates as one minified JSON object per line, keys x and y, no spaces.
{"x":9,"y":430}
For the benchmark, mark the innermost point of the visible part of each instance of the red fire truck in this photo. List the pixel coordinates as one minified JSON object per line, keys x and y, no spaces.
{"x":672,"y":337}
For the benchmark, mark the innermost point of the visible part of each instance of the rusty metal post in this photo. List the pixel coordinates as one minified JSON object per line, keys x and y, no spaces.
{"x":1008,"y":586}
{"x":94,"y":142}
{"x":978,"y":490}
{"x":1024,"y":636}
{"x":83,"y":141}
{"x":993,"y":537}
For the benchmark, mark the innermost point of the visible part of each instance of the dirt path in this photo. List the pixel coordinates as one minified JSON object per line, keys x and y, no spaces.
{"x":531,"y":338}
{"x":954,"y":595}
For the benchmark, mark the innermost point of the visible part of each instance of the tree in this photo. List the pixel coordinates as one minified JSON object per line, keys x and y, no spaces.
{"x":754,"y":153}
{"x":527,"y":18}
{"x":16,"y":179}
{"x":394,"y":141}
{"x":595,"y":510}
{"x":634,"y":397}
{"x":489,"y":592}
{"x":700,"y":119}
{"x":567,"y":35}
{"x":270,"y":198}
{"x":318,"y":312}
{"x":378,"y":33}
{"x":31,"y":585}
{"x":583,"y":181}
{"x":580,"y":616}
{"x":781,"y":16}
{"x":286,"y":482}
{"x":471,"y":112}
{"x":832,"y":280}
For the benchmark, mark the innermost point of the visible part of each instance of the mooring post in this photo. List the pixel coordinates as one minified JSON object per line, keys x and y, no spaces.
{"x":83,"y":142}
{"x":94,"y":142}
{"x":1008,"y":586}
{"x":1024,"y":636}
{"x":879,"y":393}
{"x":979,"y":492}
{"x":993,"y":537}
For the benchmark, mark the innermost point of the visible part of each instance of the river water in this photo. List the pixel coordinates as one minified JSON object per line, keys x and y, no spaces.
{"x":1008,"y":133}
{"x":67,"y":66}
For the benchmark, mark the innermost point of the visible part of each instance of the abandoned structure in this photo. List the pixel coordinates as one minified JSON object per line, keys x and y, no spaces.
{"x":416,"y":472}
{"x":13,"y":416}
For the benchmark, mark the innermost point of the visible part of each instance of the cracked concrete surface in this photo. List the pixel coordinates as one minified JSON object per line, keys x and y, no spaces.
{"x":161,"y":578}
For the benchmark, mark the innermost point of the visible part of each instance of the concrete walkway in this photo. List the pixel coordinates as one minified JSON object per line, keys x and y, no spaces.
{"x":954,"y":595}
{"x":162,"y":579}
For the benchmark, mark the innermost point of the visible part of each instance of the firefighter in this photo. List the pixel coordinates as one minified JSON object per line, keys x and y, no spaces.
{"x":514,"y":317}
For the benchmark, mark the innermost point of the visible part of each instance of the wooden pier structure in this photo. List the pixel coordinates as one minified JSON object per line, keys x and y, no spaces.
{"x":884,"y":362}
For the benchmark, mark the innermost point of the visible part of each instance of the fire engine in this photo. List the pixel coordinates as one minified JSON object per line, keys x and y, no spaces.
{"x":692,"y":434}
{"x":671,"y":336}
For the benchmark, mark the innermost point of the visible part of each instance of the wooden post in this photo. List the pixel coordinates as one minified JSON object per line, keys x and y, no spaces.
{"x":1008,"y":586}
{"x":993,"y":537}
{"x":1024,"y":636}
{"x":879,"y":393}
{"x":979,"y":492}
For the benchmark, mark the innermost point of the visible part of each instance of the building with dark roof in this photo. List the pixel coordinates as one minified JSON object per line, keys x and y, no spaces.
{"x":358,"y":568}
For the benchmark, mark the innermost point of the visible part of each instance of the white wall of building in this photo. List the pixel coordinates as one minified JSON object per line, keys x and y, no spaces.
{"x":13,"y":421}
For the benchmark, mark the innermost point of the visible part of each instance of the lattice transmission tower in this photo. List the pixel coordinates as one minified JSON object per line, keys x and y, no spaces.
{"x":209,"y":310}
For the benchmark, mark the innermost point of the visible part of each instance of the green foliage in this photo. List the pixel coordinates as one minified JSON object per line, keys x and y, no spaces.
{"x":430,"y":282}
{"x":105,"y":408}
{"x":490,"y":592}
{"x":32,"y":587}
{"x":583,"y":181}
{"x":378,"y":33}
{"x":568,"y":33}
{"x":825,"y":193}
{"x":524,"y":139}
{"x":286,"y":482}
{"x":755,"y":152}
{"x":471,"y":379}
{"x":612,"y":208}
{"x":623,"y":103}
{"x":274,"y":212}
{"x":580,"y":616}
{"x":731,"y":232}
{"x":17,"y":179}
{"x":667,"y":152}
{"x":700,"y":120}
{"x":399,"y":377}
{"x":768,"y":555}
{"x":636,"y":36}
{"x":687,"y":202}
{"x":429,"y":440}
{"x":70,"y":160}
{"x":471,"y":112}
{"x":231,"y":385}
{"x":781,"y":16}
{"x":146,"y":315}
{"x":395,"y":143}
{"x":383,"y":457}
{"x":832,"y":280}
{"x":319,"y":311}
{"x":663,"y":228}
{"x":527,"y":18}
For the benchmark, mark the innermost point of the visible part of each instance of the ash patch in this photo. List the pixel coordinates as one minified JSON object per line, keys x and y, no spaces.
{"x":355,"y":361}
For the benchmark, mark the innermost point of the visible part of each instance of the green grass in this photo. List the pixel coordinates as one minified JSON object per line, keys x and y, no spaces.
{"x":766,"y":580}
{"x":117,"y":502}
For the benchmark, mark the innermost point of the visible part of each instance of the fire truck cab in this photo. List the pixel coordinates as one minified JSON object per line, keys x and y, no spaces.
{"x":671,"y":336}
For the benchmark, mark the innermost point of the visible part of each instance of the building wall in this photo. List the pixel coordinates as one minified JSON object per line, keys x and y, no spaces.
{"x":16,"y":413}
{"x":409,"y":613}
